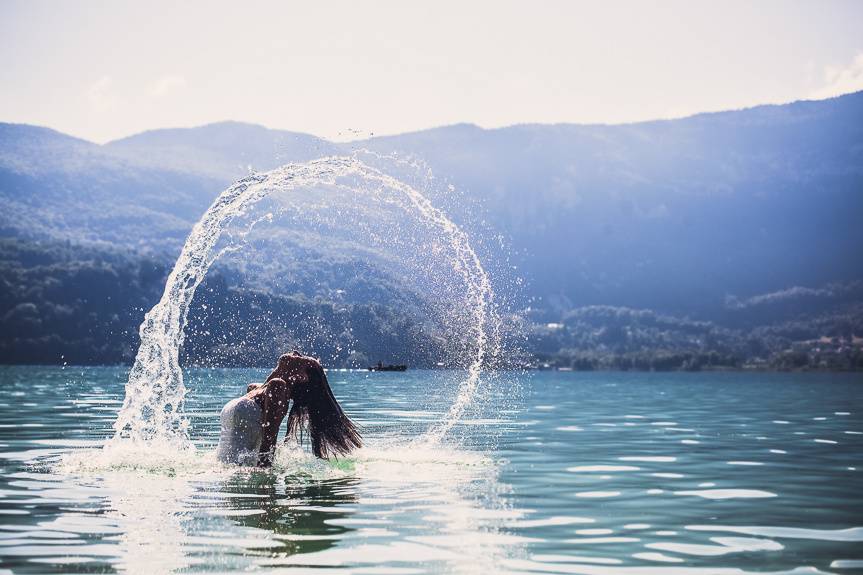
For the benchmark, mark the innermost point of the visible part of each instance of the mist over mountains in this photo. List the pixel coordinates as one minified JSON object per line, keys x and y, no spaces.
{"x":735,"y":234}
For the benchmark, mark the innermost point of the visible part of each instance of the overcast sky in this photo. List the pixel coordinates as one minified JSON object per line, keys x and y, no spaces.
{"x":104,"y":70}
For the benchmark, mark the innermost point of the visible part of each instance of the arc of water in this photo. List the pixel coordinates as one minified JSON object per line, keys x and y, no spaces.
{"x":480,"y":293}
{"x":152,"y":409}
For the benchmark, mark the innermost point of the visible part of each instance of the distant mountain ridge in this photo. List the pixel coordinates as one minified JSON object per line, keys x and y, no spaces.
{"x":225,"y":150}
{"x":677,"y":216}
{"x":770,"y":195}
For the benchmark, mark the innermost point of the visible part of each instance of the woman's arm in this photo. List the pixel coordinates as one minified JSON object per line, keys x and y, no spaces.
{"x":268,"y":431}
{"x":274,"y":407}
{"x":265,"y":456}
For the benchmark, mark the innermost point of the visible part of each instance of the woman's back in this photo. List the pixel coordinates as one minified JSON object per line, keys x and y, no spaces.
{"x":241,"y":432}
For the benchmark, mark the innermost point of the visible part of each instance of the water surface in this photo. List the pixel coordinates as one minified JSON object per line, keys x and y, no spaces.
{"x":564,"y":473}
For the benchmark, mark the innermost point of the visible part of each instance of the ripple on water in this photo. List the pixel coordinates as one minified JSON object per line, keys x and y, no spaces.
{"x":597,"y":494}
{"x":601,"y":468}
{"x":545,"y":558}
{"x":847,"y":535}
{"x":658,"y":557}
{"x":549,"y":522}
{"x":724,"y":546}
{"x":649,"y":458}
{"x":594,"y":531}
{"x":602,"y":540}
{"x":717,"y":494}
{"x":527,"y":566}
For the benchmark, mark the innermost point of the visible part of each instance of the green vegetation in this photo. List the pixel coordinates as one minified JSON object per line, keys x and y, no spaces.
{"x":61,"y":302}
{"x":65,"y":303}
{"x":605,"y":337}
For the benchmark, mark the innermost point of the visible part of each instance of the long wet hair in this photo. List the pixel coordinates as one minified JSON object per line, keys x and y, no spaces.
{"x":315,"y":407}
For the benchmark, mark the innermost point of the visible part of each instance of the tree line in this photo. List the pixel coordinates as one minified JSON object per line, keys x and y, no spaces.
{"x":62,"y":302}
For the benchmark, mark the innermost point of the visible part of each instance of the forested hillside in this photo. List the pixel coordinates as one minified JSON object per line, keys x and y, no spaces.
{"x":725,"y":239}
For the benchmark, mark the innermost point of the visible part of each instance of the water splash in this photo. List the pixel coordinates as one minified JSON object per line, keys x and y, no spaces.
{"x":153,"y":408}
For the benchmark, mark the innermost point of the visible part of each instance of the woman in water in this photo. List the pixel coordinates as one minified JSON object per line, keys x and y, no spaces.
{"x":250,"y":424}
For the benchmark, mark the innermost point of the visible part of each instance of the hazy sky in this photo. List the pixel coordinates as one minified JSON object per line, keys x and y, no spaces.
{"x":103,"y":70}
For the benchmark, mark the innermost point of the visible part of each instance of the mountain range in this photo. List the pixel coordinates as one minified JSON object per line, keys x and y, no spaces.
{"x":721,"y":218}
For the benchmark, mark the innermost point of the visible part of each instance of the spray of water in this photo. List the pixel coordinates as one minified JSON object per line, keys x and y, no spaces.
{"x":153,"y":408}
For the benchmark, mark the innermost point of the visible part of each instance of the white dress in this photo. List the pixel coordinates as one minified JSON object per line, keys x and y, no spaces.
{"x":242,"y":432}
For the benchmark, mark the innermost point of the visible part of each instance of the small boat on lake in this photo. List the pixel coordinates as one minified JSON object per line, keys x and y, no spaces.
{"x":381,"y":367}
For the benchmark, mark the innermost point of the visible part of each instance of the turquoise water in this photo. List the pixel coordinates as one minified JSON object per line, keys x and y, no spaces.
{"x":557,"y":473}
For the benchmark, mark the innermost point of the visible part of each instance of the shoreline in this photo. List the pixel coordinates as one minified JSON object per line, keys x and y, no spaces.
{"x":711,"y":369}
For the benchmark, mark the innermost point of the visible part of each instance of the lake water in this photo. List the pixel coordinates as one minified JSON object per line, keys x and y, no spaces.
{"x":599,"y":473}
